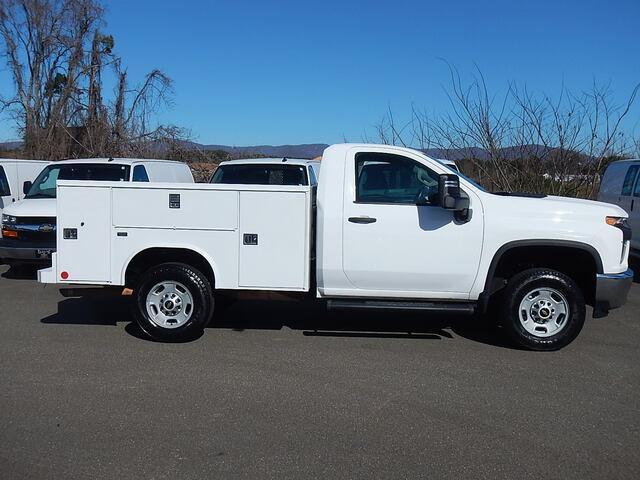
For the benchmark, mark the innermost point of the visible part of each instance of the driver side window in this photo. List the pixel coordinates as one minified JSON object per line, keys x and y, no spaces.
{"x":389,"y":178}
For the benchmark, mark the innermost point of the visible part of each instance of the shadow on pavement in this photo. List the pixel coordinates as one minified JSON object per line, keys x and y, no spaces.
{"x":311,"y":318}
{"x":314,"y":320}
{"x":22,"y":272}
{"x":90,"y":311}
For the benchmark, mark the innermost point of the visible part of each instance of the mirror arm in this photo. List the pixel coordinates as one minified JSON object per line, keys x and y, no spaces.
{"x":462,"y":216}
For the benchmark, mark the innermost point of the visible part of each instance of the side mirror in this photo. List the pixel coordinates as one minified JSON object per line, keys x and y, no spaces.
{"x":449,"y":195}
{"x":26,"y":186}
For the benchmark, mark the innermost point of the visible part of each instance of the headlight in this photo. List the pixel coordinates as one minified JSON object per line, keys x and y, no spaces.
{"x":620,"y":222}
{"x":8,"y":220}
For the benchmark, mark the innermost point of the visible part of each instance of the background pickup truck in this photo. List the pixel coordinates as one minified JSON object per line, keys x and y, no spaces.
{"x":393,"y":229}
{"x":268,"y":171}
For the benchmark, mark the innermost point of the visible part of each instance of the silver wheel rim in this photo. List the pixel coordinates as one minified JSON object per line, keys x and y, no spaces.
{"x":544,"y":312}
{"x":169,"y":304}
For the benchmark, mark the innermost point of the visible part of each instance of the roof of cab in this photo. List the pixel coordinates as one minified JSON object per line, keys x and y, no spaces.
{"x":278,"y":160}
{"x":118,"y":161}
{"x":21,"y":160}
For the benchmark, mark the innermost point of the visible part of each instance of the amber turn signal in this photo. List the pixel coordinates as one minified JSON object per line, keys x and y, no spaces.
{"x":9,"y":233}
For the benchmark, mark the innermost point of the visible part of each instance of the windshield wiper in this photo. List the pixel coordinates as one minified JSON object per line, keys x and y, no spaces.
{"x":520,"y":194}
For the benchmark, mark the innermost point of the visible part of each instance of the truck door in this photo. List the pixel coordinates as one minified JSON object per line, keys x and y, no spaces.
{"x":391,"y":245}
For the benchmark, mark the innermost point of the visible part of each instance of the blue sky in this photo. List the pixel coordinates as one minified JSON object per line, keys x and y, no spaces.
{"x":264,"y":72}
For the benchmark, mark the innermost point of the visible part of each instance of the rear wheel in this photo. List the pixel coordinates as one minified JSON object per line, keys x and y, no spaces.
{"x":174,"y":302}
{"x":542,"y":309}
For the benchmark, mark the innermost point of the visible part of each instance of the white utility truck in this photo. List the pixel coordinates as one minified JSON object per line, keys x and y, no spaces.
{"x":392,"y":229}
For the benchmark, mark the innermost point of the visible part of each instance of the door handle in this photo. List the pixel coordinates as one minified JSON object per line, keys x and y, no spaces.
{"x":363,"y":219}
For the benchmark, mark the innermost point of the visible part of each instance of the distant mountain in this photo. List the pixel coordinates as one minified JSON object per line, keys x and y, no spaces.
{"x":307,"y":150}
{"x":457,"y":153}
{"x":508,"y":153}
{"x":10,"y":145}
{"x":313,"y":150}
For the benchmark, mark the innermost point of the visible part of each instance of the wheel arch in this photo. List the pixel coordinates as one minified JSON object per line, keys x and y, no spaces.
{"x":532,"y":248}
{"x":146,"y":258}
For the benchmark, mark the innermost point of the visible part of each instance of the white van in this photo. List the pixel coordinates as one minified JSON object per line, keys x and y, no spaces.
{"x":13,"y":174}
{"x":620,"y":185}
{"x":29,"y":226}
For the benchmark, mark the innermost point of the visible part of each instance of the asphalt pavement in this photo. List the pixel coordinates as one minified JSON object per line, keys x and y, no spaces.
{"x":286,"y":390}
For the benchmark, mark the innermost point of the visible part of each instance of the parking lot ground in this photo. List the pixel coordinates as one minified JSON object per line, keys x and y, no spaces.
{"x":285,"y":390}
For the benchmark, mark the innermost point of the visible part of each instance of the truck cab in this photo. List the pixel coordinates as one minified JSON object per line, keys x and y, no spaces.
{"x":29,"y":225}
{"x":391,"y":229}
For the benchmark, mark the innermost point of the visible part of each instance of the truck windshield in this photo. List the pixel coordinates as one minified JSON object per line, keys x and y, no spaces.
{"x":261,"y":174}
{"x":45,"y":185}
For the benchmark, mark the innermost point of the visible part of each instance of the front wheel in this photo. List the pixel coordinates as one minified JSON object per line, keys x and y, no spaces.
{"x":174,"y":302}
{"x":542,"y":309}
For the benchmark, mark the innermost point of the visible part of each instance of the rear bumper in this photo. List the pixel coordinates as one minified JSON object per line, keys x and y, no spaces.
{"x":611,"y":291}
{"x":48,"y":275}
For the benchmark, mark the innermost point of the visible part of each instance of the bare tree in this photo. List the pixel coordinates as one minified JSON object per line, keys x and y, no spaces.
{"x":133,"y":109}
{"x":57,"y":57}
{"x":519,"y":141}
{"x":44,"y":48}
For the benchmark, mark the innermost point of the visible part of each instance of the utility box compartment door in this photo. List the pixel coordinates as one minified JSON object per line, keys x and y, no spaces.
{"x":274,"y":240}
{"x":84,"y":234}
{"x":175,"y":208}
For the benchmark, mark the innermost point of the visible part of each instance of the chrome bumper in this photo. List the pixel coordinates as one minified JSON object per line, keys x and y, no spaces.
{"x":611,"y":291}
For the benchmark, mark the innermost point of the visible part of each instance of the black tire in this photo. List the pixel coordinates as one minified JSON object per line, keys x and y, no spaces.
{"x":198,"y":287}
{"x":523,"y":283}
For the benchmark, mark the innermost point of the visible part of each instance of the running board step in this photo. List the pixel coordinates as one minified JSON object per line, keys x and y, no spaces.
{"x":356,"y":304}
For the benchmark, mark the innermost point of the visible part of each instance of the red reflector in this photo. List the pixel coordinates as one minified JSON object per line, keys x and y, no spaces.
{"x":9,"y":233}
{"x":64,"y":275}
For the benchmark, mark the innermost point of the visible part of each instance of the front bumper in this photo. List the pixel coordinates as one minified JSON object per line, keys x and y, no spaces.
{"x":16,"y":251}
{"x":611,"y":291}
